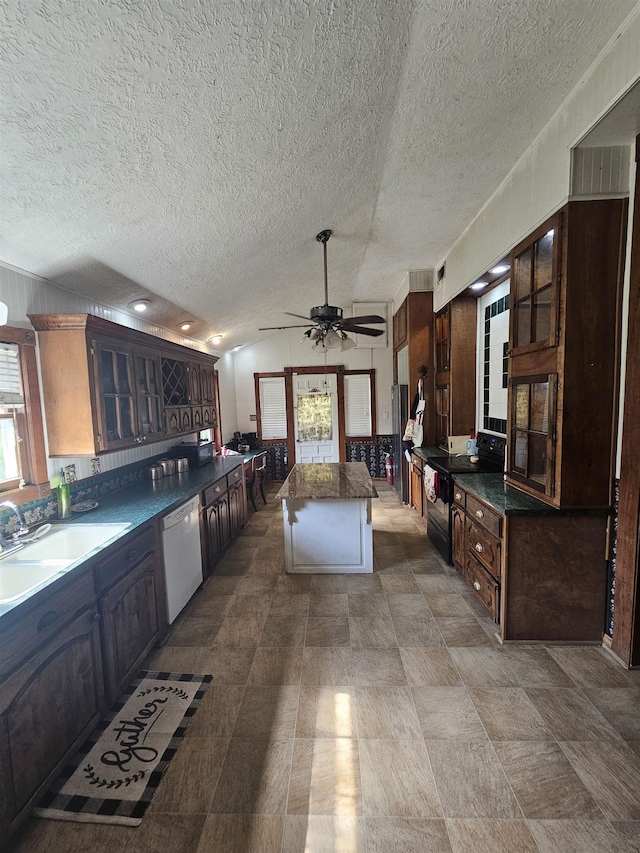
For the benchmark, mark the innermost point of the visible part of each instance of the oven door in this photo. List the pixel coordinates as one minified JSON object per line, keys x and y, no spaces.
{"x":439,"y":514}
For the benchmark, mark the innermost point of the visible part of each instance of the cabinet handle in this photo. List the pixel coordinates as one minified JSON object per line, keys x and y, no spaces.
{"x":131,"y":553}
{"x":218,"y":489}
{"x":479,"y":513}
{"x":477,"y":586}
{"x":479,"y":548}
{"x":47,"y":619}
{"x":96,"y":617}
{"x":458,"y":496}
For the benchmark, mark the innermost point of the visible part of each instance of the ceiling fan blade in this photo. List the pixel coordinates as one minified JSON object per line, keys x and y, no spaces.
{"x":272,"y":328}
{"x":299,"y":316}
{"x":362,"y":330}
{"x":370,"y":318}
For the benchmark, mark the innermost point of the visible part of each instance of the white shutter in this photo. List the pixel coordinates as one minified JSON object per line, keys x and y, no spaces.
{"x":273,"y":408}
{"x":357,"y":394}
{"x":10,"y":382}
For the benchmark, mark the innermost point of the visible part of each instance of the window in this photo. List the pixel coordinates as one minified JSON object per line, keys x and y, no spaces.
{"x":357,"y":398}
{"x":23,"y":464}
{"x":273,"y":408}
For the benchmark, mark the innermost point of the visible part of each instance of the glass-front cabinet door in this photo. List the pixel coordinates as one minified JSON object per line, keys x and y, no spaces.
{"x":116,"y":395}
{"x":531,"y":450}
{"x":534,"y":289}
{"x":149,"y":394}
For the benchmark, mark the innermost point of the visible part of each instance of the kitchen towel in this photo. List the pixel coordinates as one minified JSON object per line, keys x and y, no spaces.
{"x":431,"y":484}
{"x":115,"y":773}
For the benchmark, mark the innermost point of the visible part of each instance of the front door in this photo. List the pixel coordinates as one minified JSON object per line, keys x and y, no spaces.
{"x":315,"y":402}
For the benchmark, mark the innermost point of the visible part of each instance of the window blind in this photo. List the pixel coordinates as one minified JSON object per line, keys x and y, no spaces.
{"x":10,"y":381}
{"x":273,"y":408}
{"x":357,"y":393}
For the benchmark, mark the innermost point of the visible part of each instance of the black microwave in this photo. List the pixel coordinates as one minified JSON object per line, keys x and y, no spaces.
{"x":197,"y":454}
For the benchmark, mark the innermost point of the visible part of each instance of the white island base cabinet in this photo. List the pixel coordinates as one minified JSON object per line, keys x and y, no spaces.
{"x":328,"y":535}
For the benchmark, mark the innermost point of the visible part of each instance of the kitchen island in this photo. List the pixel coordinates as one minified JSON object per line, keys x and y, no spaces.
{"x":326,"y":513}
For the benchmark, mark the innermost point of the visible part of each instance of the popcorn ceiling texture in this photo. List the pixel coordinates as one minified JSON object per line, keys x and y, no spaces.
{"x":192,"y":150}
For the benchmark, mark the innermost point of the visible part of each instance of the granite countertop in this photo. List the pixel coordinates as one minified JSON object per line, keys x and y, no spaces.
{"x":328,"y":481}
{"x":136,"y":505}
{"x":492,"y":489}
{"x":426,"y":452}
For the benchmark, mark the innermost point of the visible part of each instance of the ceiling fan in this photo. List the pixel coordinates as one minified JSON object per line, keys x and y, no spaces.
{"x":326,"y":326}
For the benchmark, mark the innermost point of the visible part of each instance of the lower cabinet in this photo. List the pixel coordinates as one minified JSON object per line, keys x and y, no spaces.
{"x":224,"y":514}
{"x":416,"y":488}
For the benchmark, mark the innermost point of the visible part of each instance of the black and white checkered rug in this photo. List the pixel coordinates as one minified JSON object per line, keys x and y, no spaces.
{"x":115,"y":773}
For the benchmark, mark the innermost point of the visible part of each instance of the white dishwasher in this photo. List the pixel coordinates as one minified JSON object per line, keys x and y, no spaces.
{"x":182,"y":556}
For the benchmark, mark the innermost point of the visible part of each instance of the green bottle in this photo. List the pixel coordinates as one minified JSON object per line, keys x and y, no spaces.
{"x":64,"y":497}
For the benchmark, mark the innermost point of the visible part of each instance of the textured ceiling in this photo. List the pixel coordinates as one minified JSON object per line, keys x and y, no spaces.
{"x":191,"y":150}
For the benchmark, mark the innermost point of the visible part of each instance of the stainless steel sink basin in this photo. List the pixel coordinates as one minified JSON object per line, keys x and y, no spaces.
{"x":23,"y":570}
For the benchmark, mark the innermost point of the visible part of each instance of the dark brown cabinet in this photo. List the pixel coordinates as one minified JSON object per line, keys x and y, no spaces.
{"x":416,"y":487}
{"x":565,"y":292}
{"x":455,"y":361}
{"x":224,"y":514}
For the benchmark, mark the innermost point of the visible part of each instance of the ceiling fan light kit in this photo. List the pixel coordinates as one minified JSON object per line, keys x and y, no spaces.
{"x":326,"y":326}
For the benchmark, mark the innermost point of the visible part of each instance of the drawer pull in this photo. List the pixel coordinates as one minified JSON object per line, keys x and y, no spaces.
{"x":479,"y":513}
{"x":47,"y":619}
{"x":95,"y":617}
{"x":218,"y":489}
{"x":458,"y":496}
{"x":131,"y":554}
{"x":477,"y":586}
{"x":479,"y":548}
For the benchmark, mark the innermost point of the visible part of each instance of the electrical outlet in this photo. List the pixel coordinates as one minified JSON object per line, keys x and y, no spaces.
{"x":253,"y":417}
{"x":95,"y":465}
{"x":70,"y":474}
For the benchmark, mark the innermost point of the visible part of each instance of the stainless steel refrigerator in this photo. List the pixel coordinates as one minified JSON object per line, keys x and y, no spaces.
{"x":400,"y":414}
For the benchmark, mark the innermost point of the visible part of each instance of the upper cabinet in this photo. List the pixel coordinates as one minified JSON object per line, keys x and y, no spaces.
{"x":107,"y":387}
{"x":413,"y":327}
{"x":455,"y":362}
{"x":563,"y":365}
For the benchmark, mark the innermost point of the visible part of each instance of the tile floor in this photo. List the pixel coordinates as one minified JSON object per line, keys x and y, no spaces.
{"x":378,"y":713}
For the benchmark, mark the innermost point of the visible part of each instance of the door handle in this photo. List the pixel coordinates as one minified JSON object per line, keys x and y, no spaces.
{"x":477,"y":586}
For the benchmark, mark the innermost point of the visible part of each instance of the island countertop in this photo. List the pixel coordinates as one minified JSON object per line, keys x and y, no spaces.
{"x":328,"y":481}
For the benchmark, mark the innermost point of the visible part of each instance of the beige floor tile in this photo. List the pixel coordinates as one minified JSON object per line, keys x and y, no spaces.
{"x":363,"y":584}
{"x":611,"y":772}
{"x":387,"y":712}
{"x":326,"y":666}
{"x":429,"y":667}
{"x":484,"y":667}
{"x":190,"y":780}
{"x":194,"y":631}
{"x":217,"y":712}
{"x":471,"y":781}
{"x":293,"y":584}
{"x":325,"y":777}
{"x":575,"y":836}
{"x":219,"y":585}
{"x":289,"y":605}
{"x":544,"y":782}
{"x":407,"y":835}
{"x":267,"y":712}
{"x":368,"y":605}
{"x":445,"y":604}
{"x":447,"y":713}
{"x":629,"y":832}
{"x":328,"y":604}
{"x":281,"y":665}
{"x":408,"y":606}
{"x":232,"y":833}
{"x":534,"y":667}
{"x":208,"y":604}
{"x":434,"y":583}
{"x":239,"y":633}
{"x":326,"y":712}
{"x":228,"y":666}
{"x":403,"y":584}
{"x":256,"y":585}
{"x":620,"y":706}
{"x":570,"y":715}
{"x":327,"y":631}
{"x":507,"y":713}
{"x":417,"y":631}
{"x":372,"y":632}
{"x":476,"y":835}
{"x":589,"y":667}
{"x":462,"y":631}
{"x":324,"y":834}
{"x":397,"y":779}
{"x":284,"y":631}
{"x":328,"y":583}
{"x":254,"y":777}
{"x":377,"y":667}
{"x":635,"y":746}
{"x":245,"y":606}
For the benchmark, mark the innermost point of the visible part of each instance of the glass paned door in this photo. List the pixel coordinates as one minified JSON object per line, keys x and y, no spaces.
{"x":531,"y":454}
{"x":533,"y":291}
{"x":149,"y":394}
{"x":116,"y":387}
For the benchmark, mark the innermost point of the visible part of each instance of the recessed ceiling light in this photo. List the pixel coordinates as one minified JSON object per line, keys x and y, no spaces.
{"x":186,"y":325}
{"x":478,"y":285}
{"x":235,"y":349}
{"x":499,"y":269}
{"x":215,"y":340}
{"x":140,"y":305}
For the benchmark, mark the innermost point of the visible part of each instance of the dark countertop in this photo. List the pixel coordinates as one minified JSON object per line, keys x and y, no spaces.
{"x":136,"y":505}
{"x":425,"y":452}
{"x":492,"y":489}
{"x":328,"y":481}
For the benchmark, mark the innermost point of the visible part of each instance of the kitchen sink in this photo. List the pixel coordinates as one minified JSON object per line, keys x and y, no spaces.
{"x":23,"y":570}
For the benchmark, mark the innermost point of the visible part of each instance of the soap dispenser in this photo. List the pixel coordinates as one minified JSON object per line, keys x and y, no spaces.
{"x":64,"y":497}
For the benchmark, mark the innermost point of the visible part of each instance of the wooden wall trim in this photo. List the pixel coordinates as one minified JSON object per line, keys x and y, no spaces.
{"x":626,"y":625}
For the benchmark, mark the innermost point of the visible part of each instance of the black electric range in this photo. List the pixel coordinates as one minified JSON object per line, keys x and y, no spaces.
{"x":491,"y":450}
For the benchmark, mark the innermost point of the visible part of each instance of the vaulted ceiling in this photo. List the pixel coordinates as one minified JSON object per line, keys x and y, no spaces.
{"x":189,"y":151}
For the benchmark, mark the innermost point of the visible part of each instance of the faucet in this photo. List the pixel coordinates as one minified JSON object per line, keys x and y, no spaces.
{"x":23,"y":529}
